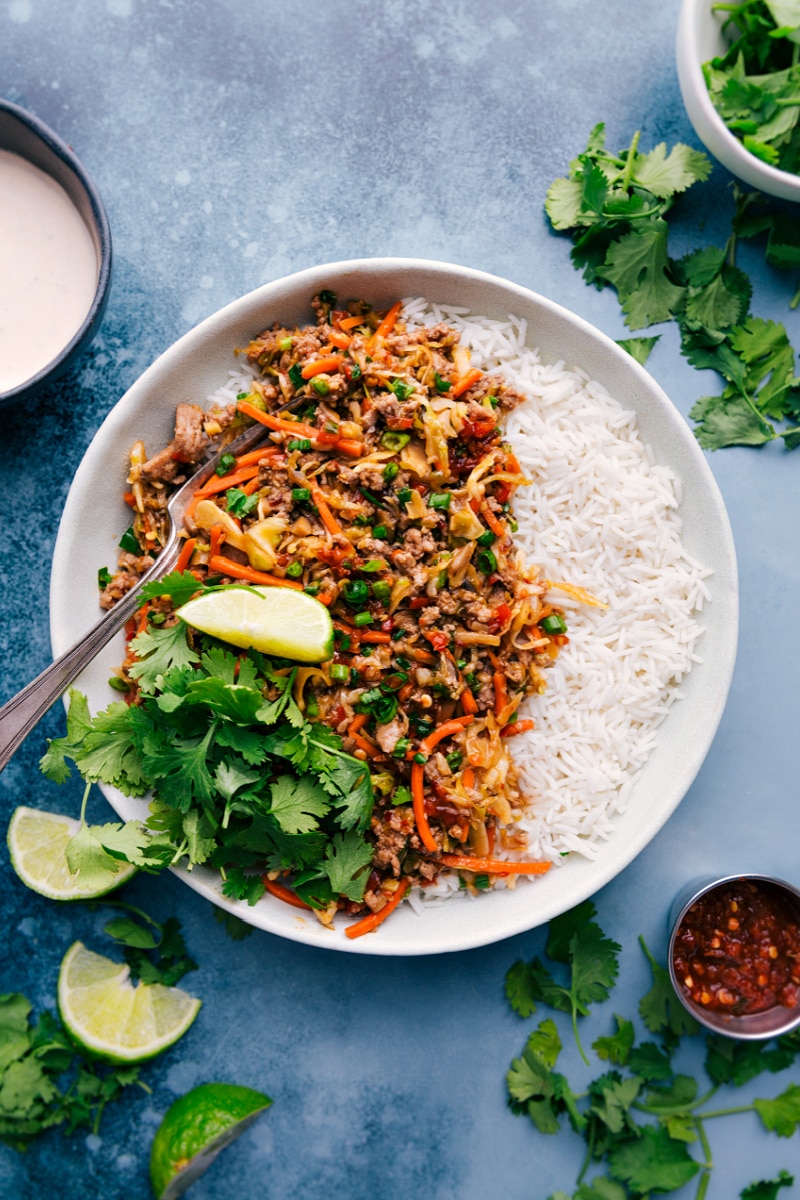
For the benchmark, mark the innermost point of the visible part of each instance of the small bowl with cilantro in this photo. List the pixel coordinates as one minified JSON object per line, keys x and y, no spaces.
{"x":739,"y":74}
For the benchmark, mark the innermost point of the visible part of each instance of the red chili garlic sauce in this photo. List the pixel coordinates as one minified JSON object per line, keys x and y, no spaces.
{"x":738,"y":949}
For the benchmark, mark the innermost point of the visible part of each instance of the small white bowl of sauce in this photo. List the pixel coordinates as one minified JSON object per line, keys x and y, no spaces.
{"x":55,"y":255}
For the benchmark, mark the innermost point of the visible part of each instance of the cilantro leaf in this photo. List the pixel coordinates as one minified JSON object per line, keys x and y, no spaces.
{"x":617,"y":1048}
{"x":639,"y":348}
{"x":157,"y":650}
{"x":767,"y":1189}
{"x":665,"y":174}
{"x":781,"y":1115}
{"x":652,"y":1162}
{"x":660,"y":1008}
{"x":638,"y":266}
{"x":240,"y":886}
{"x":346,"y":864}
{"x":520,"y":989}
{"x":179,"y":586}
{"x":296,"y":803}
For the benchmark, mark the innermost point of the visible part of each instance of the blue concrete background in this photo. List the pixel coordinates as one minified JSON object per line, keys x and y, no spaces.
{"x":236,"y":141}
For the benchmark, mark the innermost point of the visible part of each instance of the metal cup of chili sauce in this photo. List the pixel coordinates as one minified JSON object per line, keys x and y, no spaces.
{"x":734,"y":955}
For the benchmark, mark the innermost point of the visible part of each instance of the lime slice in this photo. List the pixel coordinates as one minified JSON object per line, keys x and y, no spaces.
{"x":37,"y":844}
{"x":275,"y":620}
{"x":194,"y":1130}
{"x":113,"y":1020}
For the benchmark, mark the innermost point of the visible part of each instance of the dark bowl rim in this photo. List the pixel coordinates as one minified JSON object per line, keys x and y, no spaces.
{"x":100,"y":219}
{"x":732,"y":1028}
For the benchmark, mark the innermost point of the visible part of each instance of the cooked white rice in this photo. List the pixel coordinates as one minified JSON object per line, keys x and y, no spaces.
{"x":602,"y":514}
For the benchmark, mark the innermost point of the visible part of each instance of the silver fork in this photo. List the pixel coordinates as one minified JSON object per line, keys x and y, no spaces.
{"x":19,"y":714}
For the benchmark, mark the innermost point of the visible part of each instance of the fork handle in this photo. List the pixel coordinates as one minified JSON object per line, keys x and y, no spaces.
{"x":19,"y":714}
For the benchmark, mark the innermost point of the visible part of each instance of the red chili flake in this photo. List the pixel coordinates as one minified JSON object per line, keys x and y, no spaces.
{"x":738,"y":949}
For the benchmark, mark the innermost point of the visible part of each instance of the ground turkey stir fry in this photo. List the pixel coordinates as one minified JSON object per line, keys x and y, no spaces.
{"x":386,"y":493}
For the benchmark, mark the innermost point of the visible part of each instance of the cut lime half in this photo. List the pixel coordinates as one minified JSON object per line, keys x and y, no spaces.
{"x":274,"y":620}
{"x":37,"y":845}
{"x":194,"y":1130}
{"x":107,"y":1016}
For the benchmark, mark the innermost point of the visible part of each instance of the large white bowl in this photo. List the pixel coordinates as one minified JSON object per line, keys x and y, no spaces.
{"x":95,"y":516}
{"x":699,"y":39}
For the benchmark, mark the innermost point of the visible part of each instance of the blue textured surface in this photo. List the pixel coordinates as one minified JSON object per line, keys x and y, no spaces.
{"x":233,"y":142}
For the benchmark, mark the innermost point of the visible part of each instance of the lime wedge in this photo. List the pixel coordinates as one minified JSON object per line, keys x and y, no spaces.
{"x":275,"y":620}
{"x":37,"y":845}
{"x":113,"y":1020}
{"x":194,"y":1130}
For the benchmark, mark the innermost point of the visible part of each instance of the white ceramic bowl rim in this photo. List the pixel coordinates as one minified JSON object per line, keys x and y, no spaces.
{"x":198,"y":363}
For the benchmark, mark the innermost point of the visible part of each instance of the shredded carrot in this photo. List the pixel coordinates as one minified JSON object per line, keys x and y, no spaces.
{"x":405,"y":692}
{"x":226,"y":566}
{"x":254,"y":456}
{"x":141,"y":624}
{"x":444,"y":731}
{"x":468,"y":701}
{"x":497,"y":527}
{"x":376,"y":638}
{"x":465,"y":383}
{"x":387,"y":324}
{"x":422,"y":656}
{"x":468,"y":778}
{"x":517,"y":727}
{"x":221,"y":483}
{"x":279,"y":424}
{"x":418,"y":804}
{"x":326,"y":598}
{"x":350,"y":322}
{"x":338,"y":339}
{"x":493,"y":866}
{"x":353,"y":730}
{"x":326,"y":516}
{"x":129,"y":499}
{"x":252,"y":486}
{"x":500,"y":693}
{"x":368,"y":923}
{"x":321,"y":366}
{"x":185,"y":556}
{"x":349,"y":446}
{"x":216,"y":536}
{"x":358,"y":722}
{"x":283,"y":893}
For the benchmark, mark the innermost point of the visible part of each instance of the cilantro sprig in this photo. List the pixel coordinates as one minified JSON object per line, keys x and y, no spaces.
{"x":615,"y":209}
{"x":642,"y":1120}
{"x":239,"y":779}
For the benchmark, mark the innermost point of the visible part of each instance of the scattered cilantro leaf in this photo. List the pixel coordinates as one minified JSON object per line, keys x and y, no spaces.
{"x":652,"y":1162}
{"x":767,"y":1189}
{"x":781,"y":1115}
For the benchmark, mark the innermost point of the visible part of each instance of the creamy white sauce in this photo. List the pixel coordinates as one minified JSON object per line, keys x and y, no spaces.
{"x":48,"y":270}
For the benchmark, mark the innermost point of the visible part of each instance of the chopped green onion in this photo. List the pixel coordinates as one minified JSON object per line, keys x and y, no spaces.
{"x":391,"y":471}
{"x":554,"y":624}
{"x":225,"y":464}
{"x":380,"y":532}
{"x":513,"y":525}
{"x":440,"y":500}
{"x":397,"y":635}
{"x":242,"y":395}
{"x":363,"y":618}
{"x":486,"y":562}
{"x":454,"y":759}
{"x":400,"y":747}
{"x":486,"y":539}
{"x":442,"y":385}
{"x":420,"y":757}
{"x":299,"y":444}
{"x":392,"y":440}
{"x":374,"y":564}
{"x":494,"y":401}
{"x":400,"y":388}
{"x":294,"y":569}
{"x":286,"y":343}
{"x":296,"y":375}
{"x":312,"y":707}
{"x":373,"y":499}
{"x":322,"y":385}
{"x":340,"y":671}
{"x":328,"y":297}
{"x":404,"y":495}
{"x":130,"y":542}
{"x":381,"y":590}
{"x":312,"y":589}
{"x":119,"y":685}
{"x":103,"y":577}
{"x":356,"y":592}
{"x":300,"y":494}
